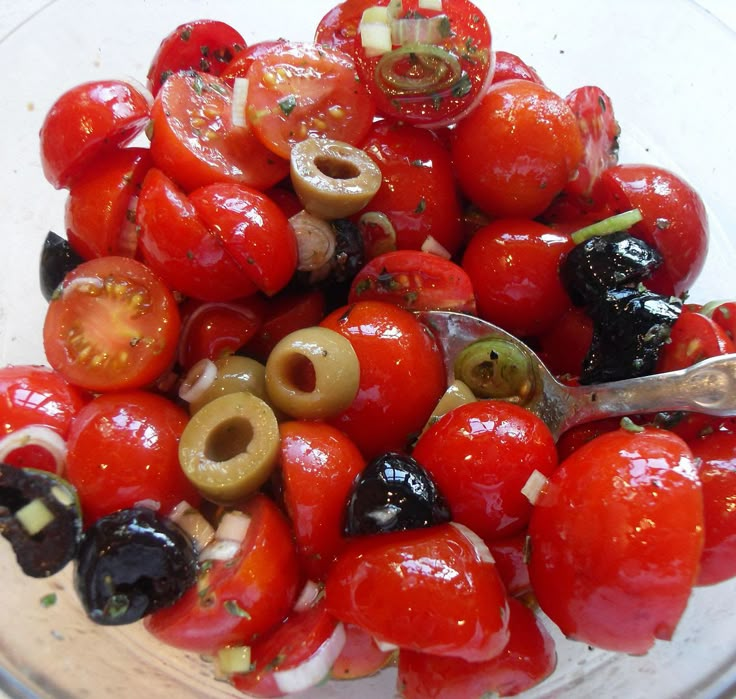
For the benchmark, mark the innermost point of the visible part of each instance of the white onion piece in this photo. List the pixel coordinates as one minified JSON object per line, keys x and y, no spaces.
{"x":38,"y":436}
{"x":240,"y":99}
{"x":310,"y":593}
{"x":426,"y":30}
{"x":434,"y":246}
{"x":233,"y":527}
{"x":190,"y":520}
{"x":232,"y":659}
{"x":138,"y":86}
{"x":218,"y":550}
{"x":312,"y":671}
{"x":385,"y":646}
{"x":375,"y":38}
{"x":481,"y":549}
{"x":430,"y":5}
{"x":198,"y":379}
{"x":533,"y":486}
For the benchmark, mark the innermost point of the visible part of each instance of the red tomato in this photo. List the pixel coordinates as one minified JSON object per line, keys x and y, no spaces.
{"x":241,"y":63}
{"x":360,"y":657}
{"x":237,"y":600}
{"x":253,"y":230}
{"x":112,"y":324}
{"x":414,"y":280}
{"x":693,"y":337}
{"x":516,"y":151}
{"x":100,"y":212}
{"x":318,"y":466}
{"x":674,"y":220}
{"x":616,"y":537}
{"x":402,"y":375}
{"x":577,"y":436}
{"x":514,"y":267}
{"x":724,"y":313}
{"x":429,"y":590}
{"x":433,"y":81}
{"x":339,"y":27}
{"x":195,"y":142}
{"x":176,"y":244}
{"x":717,"y":472}
{"x":565,"y":345}
{"x":510,"y":555}
{"x":37,"y":395}
{"x":298,"y":90}
{"x":528,"y":658}
{"x":480,"y":455}
{"x":204,"y":45}
{"x":90,"y":119}
{"x":418,"y":192}
{"x":509,"y":66}
{"x":124,"y":449}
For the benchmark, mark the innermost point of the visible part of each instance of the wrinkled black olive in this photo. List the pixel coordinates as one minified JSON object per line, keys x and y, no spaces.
{"x":606,"y":262}
{"x":630,"y":326}
{"x":48,"y":551}
{"x":131,"y":563}
{"x":394,"y":493}
{"x":57,"y":260}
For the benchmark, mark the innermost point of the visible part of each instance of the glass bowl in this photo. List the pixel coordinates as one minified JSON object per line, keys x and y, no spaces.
{"x":668,"y":68}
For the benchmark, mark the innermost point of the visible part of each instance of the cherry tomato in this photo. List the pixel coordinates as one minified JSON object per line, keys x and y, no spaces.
{"x":693,"y":337}
{"x":414,"y":280}
{"x":318,"y":467}
{"x":481,"y":454}
{"x":401,"y":375}
{"x":298,"y":90}
{"x":205,"y":45}
{"x":565,"y":345}
{"x":435,"y":80}
{"x":724,"y":313}
{"x":241,"y":63}
{"x":90,"y":119}
{"x":100,"y":212}
{"x":577,"y":436}
{"x":124,"y":450}
{"x":428,"y":589}
{"x":509,"y":66}
{"x":516,"y":151}
{"x":195,"y":142}
{"x":616,"y":538}
{"x":339,"y":27}
{"x":418,"y":192}
{"x":674,"y":220}
{"x":510,"y":554}
{"x":235,"y":601}
{"x":717,"y":452}
{"x":112,"y":324}
{"x":528,"y":658}
{"x":360,"y":656}
{"x":514,"y":267}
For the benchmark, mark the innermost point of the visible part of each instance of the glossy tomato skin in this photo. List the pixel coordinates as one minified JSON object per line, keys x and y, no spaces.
{"x":414,"y":280}
{"x":564,"y":346}
{"x":717,"y":472}
{"x":423,"y":589}
{"x":693,"y":337}
{"x":123,"y":450}
{"x":37,"y":395}
{"x":480,"y":455}
{"x":616,"y":538}
{"x":195,"y":142}
{"x":509,"y":66}
{"x":514,"y":267}
{"x":111,"y":325}
{"x":339,"y":27}
{"x":101,"y":207}
{"x":86,"y":121}
{"x":418,"y":192}
{"x":510,"y":555}
{"x":401,"y":375}
{"x":204,"y":45}
{"x":674,"y":220}
{"x":360,"y":657}
{"x":235,"y":601}
{"x":528,"y":658}
{"x":516,"y":151}
{"x":318,"y":467}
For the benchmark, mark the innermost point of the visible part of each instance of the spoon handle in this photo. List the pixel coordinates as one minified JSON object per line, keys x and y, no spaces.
{"x":707,"y":387}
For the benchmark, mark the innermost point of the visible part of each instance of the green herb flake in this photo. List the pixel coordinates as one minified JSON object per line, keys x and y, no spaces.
{"x":198,"y":84}
{"x":186,"y":33}
{"x":362,"y":286}
{"x":630,"y":426}
{"x":234,"y":609}
{"x":116,"y":606}
{"x":445,"y":28}
{"x":287,"y":104}
{"x":421,"y":206}
{"x":417,"y":163}
{"x":463,"y":86}
{"x":48,"y":600}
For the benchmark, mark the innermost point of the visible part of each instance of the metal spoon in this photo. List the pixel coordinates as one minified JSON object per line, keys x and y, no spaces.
{"x":509,"y":370}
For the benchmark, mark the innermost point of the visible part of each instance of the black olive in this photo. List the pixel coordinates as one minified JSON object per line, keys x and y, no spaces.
{"x":49,"y":502}
{"x":606,"y":262}
{"x":394,"y":493}
{"x":630,"y":326}
{"x":131,"y":563}
{"x":57,"y":260}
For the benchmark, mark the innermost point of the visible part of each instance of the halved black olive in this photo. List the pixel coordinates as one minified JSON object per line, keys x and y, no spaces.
{"x":40,"y":517}
{"x":131,"y":563}
{"x":57,"y":260}
{"x":394,"y":493}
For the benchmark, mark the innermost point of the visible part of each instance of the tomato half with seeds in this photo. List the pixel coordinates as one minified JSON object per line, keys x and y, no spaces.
{"x":693,"y":337}
{"x":112,"y":324}
{"x":241,"y":63}
{"x":298,"y":90}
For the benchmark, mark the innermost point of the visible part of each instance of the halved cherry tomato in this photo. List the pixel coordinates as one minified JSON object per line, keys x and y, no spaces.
{"x":86,"y":121}
{"x":205,"y":45}
{"x":360,"y":657}
{"x":100,"y":212}
{"x":298,"y":90}
{"x":124,"y":450}
{"x":339,"y":27}
{"x":241,"y":63}
{"x":693,"y":337}
{"x":724,"y":313}
{"x":509,"y":66}
{"x":195,"y":142}
{"x":235,"y":601}
{"x":414,"y":280}
{"x":112,"y":324}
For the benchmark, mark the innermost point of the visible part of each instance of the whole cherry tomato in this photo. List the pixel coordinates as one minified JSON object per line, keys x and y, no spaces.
{"x":565,"y":345}
{"x":509,"y":66}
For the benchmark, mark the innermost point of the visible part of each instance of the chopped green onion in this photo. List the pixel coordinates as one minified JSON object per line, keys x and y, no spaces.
{"x":612,"y":224}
